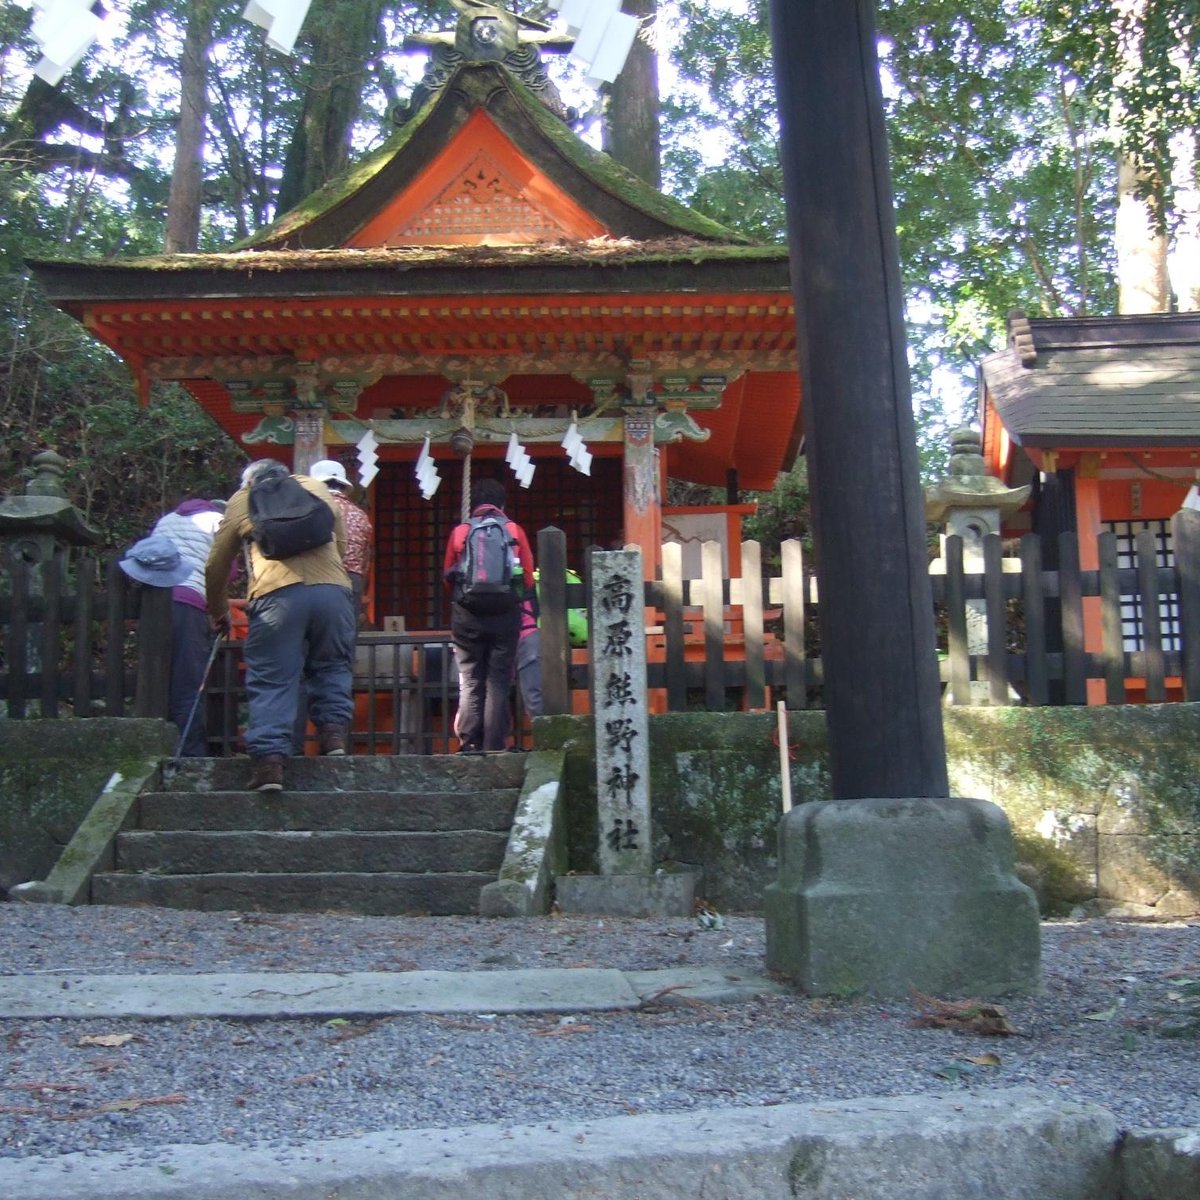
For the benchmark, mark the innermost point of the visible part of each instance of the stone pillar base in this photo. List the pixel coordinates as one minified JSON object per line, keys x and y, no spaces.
{"x":663,"y":895}
{"x":885,"y":897}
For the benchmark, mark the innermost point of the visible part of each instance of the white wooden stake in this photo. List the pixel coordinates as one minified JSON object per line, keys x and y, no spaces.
{"x":785,"y":770}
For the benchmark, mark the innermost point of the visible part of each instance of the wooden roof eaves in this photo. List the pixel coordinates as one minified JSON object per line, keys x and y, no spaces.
{"x":1125,"y":331}
{"x":617,"y":198}
{"x":80,"y":283}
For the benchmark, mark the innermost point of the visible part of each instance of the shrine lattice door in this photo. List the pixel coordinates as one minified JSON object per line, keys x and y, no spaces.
{"x":411,"y":533}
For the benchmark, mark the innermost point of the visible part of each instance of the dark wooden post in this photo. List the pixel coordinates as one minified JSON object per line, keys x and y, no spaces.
{"x":881,"y":682}
{"x":154,"y":652}
{"x":555,"y":645}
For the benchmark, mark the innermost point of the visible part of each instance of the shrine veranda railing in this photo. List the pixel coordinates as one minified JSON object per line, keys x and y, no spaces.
{"x":78,"y":639}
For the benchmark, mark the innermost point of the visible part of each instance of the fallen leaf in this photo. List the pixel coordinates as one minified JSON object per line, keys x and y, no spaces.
{"x":564,"y":1030}
{"x":1106,"y":1015}
{"x":102,"y":1066}
{"x":130,"y":1105}
{"x":974,"y":1016}
{"x":954,"y":1071}
{"x":110,"y":1040}
{"x":984,"y":1060}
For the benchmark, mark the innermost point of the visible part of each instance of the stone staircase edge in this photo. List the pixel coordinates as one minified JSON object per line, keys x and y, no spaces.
{"x":536,"y":852}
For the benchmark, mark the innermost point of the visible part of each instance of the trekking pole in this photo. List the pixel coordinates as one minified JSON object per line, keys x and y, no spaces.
{"x":173,"y":765}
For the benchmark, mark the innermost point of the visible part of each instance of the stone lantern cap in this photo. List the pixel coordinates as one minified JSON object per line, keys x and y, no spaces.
{"x":968,"y":484}
{"x":44,"y":508}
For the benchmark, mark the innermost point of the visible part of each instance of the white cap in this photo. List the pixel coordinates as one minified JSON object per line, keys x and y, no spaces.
{"x":329,"y":471}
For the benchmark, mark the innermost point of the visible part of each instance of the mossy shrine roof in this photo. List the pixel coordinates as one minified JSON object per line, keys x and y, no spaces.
{"x":483,"y":228}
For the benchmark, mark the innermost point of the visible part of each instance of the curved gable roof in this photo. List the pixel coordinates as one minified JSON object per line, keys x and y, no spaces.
{"x":590,"y":181}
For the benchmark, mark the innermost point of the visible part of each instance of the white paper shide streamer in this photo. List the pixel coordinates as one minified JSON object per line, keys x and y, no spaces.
{"x":368,"y":460}
{"x":280,"y":18}
{"x":604,"y":35}
{"x":63,"y":30}
{"x":428,"y":479}
{"x":518,"y":459}
{"x":578,"y":454}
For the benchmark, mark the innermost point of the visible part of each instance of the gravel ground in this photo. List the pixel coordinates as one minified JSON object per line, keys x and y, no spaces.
{"x":1097,"y":1033}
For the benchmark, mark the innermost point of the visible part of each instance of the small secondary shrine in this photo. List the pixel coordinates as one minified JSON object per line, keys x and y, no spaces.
{"x":485,"y":273}
{"x":1100,"y":416}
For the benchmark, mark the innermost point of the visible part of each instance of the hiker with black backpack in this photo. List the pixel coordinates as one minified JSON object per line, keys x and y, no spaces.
{"x":482,"y":555}
{"x":301,"y":615}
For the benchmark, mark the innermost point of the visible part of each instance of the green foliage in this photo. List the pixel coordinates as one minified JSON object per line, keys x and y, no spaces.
{"x":783,"y":513}
{"x":1001,"y":124}
{"x":126,"y":465}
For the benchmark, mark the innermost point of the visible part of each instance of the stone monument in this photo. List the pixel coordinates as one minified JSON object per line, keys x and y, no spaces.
{"x":627,"y":884}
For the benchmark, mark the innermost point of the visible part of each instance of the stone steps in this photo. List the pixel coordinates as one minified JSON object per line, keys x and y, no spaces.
{"x":371,"y":835}
{"x":199,"y":852}
{"x":362,"y":811}
{"x":439,"y":895}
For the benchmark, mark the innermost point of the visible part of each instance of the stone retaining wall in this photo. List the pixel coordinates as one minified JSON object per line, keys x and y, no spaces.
{"x":1104,"y":802}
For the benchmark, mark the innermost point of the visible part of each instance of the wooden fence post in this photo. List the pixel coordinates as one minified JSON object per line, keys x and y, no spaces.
{"x":997,"y":630}
{"x":1110,"y":619}
{"x":1034,"y":596}
{"x":795,"y":669}
{"x":752,"y":624}
{"x":153,"y":652}
{"x":1185,"y":535}
{"x":672,"y":610}
{"x":1070,"y":591}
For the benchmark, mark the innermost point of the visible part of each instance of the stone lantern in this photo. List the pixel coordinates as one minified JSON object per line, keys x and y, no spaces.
{"x":40,"y":525}
{"x":970,"y":503}
{"x":36,"y":530}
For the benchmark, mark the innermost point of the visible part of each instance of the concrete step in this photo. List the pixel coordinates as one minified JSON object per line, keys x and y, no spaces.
{"x":379,"y":894}
{"x":364,"y":811}
{"x":193,"y":852}
{"x":360,"y":773}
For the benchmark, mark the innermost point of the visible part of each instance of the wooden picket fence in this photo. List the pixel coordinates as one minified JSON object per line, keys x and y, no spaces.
{"x":78,"y":639}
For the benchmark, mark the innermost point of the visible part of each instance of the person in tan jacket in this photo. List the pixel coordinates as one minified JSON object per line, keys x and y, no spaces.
{"x":302,"y":622}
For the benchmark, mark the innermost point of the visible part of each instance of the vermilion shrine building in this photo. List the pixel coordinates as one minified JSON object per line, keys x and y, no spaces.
{"x":1101,"y":415}
{"x":485,"y":271}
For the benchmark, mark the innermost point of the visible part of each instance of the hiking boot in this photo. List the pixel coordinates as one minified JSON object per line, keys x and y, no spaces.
{"x":331,"y":740}
{"x":266,"y":774}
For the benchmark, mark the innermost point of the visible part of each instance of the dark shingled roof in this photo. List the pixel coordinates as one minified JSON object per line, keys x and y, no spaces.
{"x":1098,"y":381}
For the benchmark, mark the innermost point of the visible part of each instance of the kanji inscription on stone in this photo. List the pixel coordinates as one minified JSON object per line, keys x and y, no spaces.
{"x":619,"y":705}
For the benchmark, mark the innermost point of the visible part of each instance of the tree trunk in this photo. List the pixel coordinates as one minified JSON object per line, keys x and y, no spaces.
{"x":1141,"y":248}
{"x":187,"y":176}
{"x":343,"y":35}
{"x":1140,"y":238}
{"x":1184,"y":261}
{"x":631,"y":128}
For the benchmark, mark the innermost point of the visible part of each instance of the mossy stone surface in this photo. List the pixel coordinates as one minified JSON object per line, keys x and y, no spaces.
{"x":51,"y":773}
